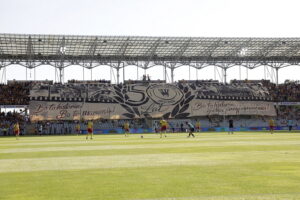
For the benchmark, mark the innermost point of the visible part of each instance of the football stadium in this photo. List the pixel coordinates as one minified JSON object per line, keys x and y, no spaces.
{"x":149,"y":100}
{"x":129,"y":127}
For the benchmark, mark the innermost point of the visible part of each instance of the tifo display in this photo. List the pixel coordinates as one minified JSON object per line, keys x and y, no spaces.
{"x":147,"y":100}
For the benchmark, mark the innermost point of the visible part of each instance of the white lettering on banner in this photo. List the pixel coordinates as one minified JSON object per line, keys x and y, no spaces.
{"x":287,"y":103}
{"x":215,"y":107}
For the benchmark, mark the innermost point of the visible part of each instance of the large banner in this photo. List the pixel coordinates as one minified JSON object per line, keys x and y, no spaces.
{"x":78,"y":101}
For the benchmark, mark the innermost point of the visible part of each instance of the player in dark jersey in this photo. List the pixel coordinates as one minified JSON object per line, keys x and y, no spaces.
{"x":230,"y":126}
{"x":192,"y":129}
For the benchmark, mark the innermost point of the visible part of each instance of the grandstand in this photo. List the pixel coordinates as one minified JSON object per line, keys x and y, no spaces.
{"x":57,"y":104}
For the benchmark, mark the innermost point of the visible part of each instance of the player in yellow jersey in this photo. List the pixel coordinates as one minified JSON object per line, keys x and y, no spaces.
{"x":271,"y":125}
{"x":163,"y":127}
{"x":77,"y":128}
{"x":90,"y":130}
{"x":198,"y":126}
{"x":17,"y":130}
{"x":126,"y":128}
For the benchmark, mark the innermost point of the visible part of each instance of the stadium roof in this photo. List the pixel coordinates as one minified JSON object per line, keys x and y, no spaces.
{"x":15,"y":48}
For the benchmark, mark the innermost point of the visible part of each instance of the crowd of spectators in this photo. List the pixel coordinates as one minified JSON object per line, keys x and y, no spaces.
{"x":8,"y":119}
{"x":288,"y":112}
{"x":14,"y":94}
{"x":17,"y":92}
{"x":289,"y":91}
{"x":286,"y":92}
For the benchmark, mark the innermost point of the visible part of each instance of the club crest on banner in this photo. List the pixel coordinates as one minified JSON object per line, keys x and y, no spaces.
{"x":165,"y":94}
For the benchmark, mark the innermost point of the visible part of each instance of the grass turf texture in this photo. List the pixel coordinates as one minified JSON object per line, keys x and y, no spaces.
{"x":210,"y":166}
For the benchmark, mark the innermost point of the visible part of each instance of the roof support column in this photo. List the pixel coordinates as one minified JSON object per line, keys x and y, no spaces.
{"x":189,"y":72}
{"x":82,"y":73}
{"x":165,"y":73}
{"x":110,"y":72}
{"x":59,"y":66}
{"x":123,"y":74}
{"x":55,"y":74}
{"x":2,"y":77}
{"x":225,"y":75}
{"x":172,"y":74}
{"x":137,"y":72}
{"x":215,"y":72}
{"x":277,"y":69}
{"x":91,"y":74}
{"x":224,"y":67}
{"x":61,"y":53}
{"x":277,"y":66}
{"x":118,"y":75}
{"x":118,"y":67}
{"x":60,"y":74}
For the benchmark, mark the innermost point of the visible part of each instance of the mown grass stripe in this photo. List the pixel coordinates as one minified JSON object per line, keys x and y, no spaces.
{"x":147,"y":138}
{"x":142,"y":146}
{"x":132,"y":151}
{"x":145,"y":160}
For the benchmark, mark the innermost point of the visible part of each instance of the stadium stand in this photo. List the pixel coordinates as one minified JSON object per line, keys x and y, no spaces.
{"x":14,"y":94}
{"x":17,"y":93}
{"x":289,"y":91}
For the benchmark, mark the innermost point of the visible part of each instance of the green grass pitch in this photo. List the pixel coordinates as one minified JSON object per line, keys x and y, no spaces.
{"x":111,"y":167}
